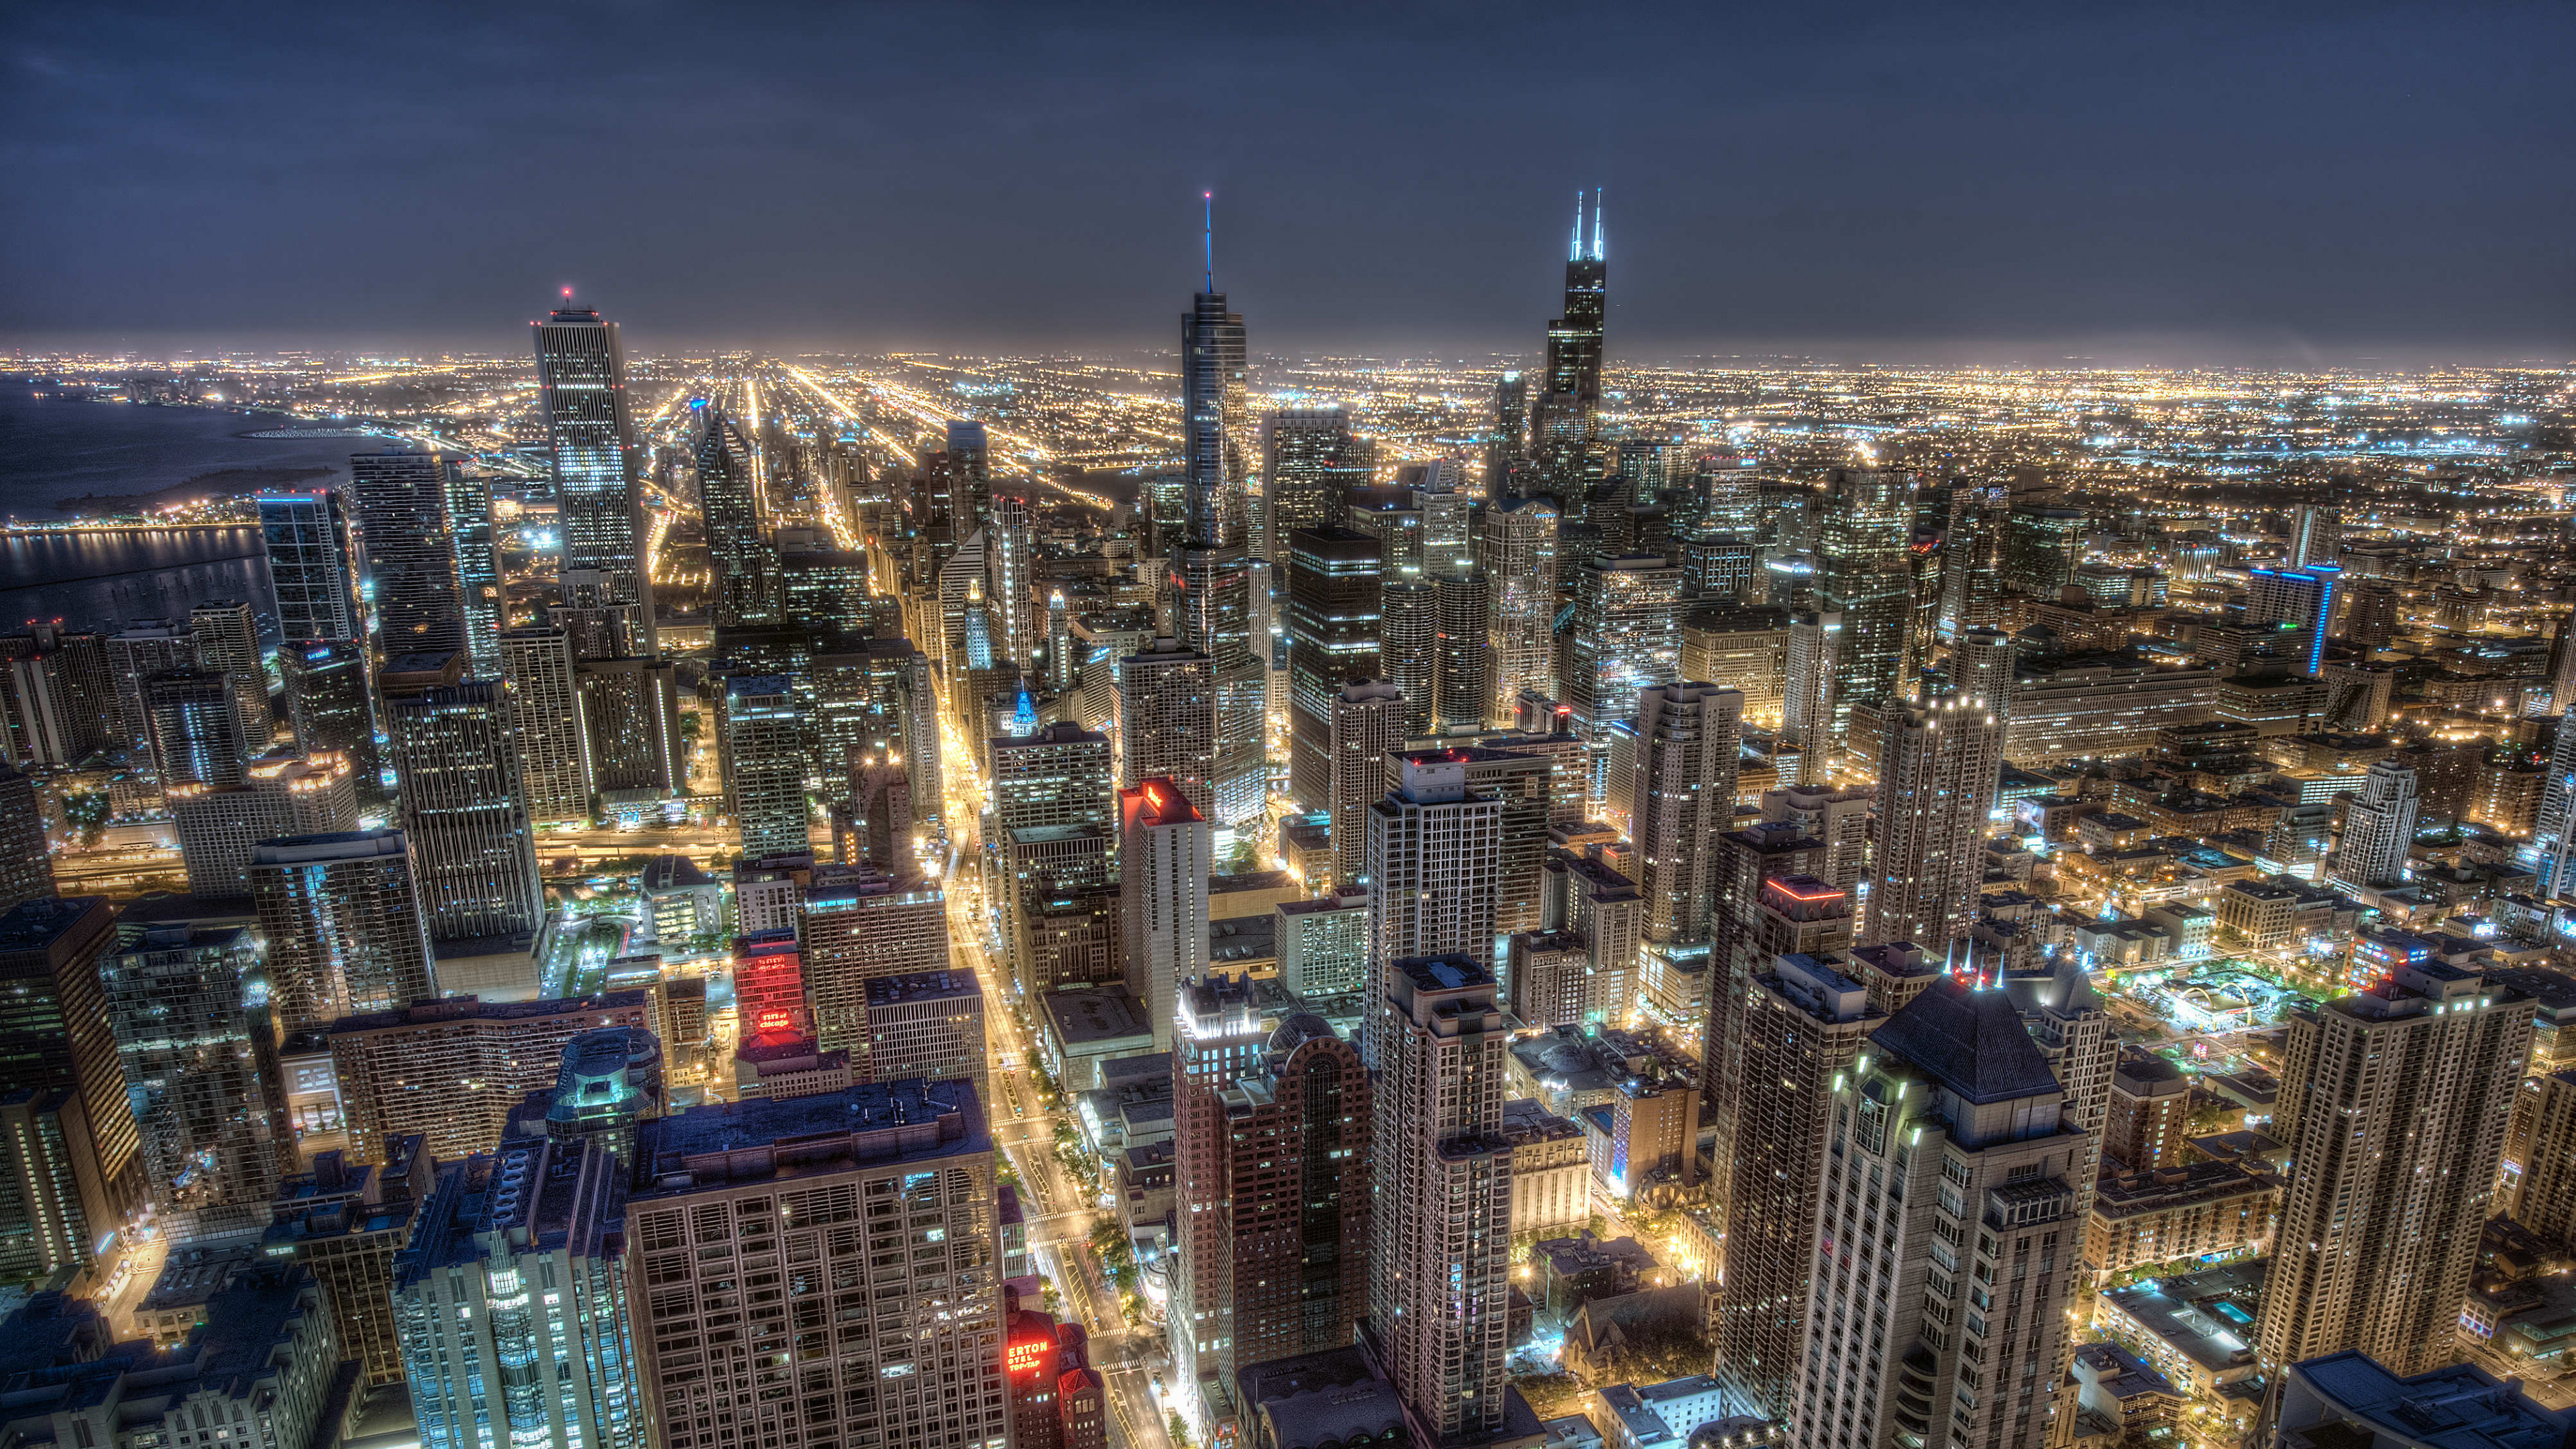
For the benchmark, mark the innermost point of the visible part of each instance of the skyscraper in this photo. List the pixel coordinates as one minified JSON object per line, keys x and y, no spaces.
{"x":1211,"y":607}
{"x":2553,"y":836}
{"x":863,"y":923}
{"x":196,"y":723}
{"x":1167,"y":719}
{"x":279,"y":795}
{"x":1948,"y":1235}
{"x":547,"y":724}
{"x":26,"y":869}
{"x":312,"y":568}
{"x":512,"y":1303}
{"x":190,"y":1009}
{"x":1311,"y":460}
{"x":1058,"y":776}
{"x":1440,"y":1272}
{"x":1333,"y":578}
{"x":478,"y":570}
{"x":2300,"y":603}
{"x":1212,"y":604}
{"x":463,"y":806}
{"x":1271,"y":1146}
{"x":134,"y":655}
{"x":1462,"y":683}
{"x":631,"y":714}
{"x":2393,"y":1108}
{"x":1807,"y":693}
{"x":581,"y":385}
{"x":1434,"y":855}
{"x":411,"y":548}
{"x":55,"y":1036}
{"x":1516,"y":552}
{"x":58,"y":696}
{"x":1562,"y":421}
{"x":1510,"y":440}
{"x":733,"y":499}
{"x":1936,"y":785}
{"x":227,"y":640}
{"x":332,"y":707}
{"x":1367,"y":725}
{"x":1681,"y":798}
{"x":1165,"y":851}
{"x":343,"y":920}
{"x":1408,"y":645}
{"x":2378,"y":829}
{"x":2316,"y":535}
{"x":764,"y":766}
{"x":1862,"y":574}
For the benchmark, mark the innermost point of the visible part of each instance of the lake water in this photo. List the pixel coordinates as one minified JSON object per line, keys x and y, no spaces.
{"x":52,"y":448}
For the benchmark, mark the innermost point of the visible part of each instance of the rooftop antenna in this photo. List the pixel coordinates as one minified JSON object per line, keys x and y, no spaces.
{"x":1575,"y":252}
{"x":1208,"y":199}
{"x":1596,"y":224}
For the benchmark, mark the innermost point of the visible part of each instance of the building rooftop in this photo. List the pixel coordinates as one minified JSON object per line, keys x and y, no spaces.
{"x":2459,"y":1407}
{"x":1083,"y":1017}
{"x":762,"y":1138}
{"x":1971,"y":1041}
{"x":2207,"y":1316}
{"x":471,"y":1008}
{"x":923,"y":986}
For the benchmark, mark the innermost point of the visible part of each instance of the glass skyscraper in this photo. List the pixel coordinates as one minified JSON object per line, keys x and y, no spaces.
{"x":581,"y":383}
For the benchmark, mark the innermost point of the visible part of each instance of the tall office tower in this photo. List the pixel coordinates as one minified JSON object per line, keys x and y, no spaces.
{"x":1433,"y":858}
{"x":1408,"y":645}
{"x":764,"y":766}
{"x":1972,"y":560}
{"x":1216,"y":429}
{"x":928,"y":1374}
{"x":1311,"y":460}
{"x":1680,"y":799}
{"x":2393,"y":1108}
{"x":342,"y":917}
{"x":1211,"y":607}
{"x":2040,"y":548}
{"x":1270,"y":1145}
{"x":2378,"y":830}
{"x":1626,"y":637}
{"x":312,"y":569}
{"x":1333,"y":579}
{"x":478,"y":571}
{"x":55,"y":1037}
{"x":1058,"y":776}
{"x":1923,"y":563}
{"x":218,"y":825}
{"x":734,"y":501}
{"x":26,"y":867}
{"x":1440,"y":1231}
{"x":332,"y":708}
{"x":1167,"y":719}
{"x":463,"y":808}
{"x":1804,"y":1024}
{"x":927,"y":1024}
{"x":1165,"y":851}
{"x":1367,"y":727}
{"x":2553,"y":835}
{"x":411,"y":548}
{"x":512,"y":1304}
{"x":1060,"y":661}
{"x":957,"y":486}
{"x":581,"y":385}
{"x":1510,"y":439}
{"x":452,"y":1071}
{"x":1563,"y":419}
{"x":1936,"y":785}
{"x":1954,"y":1115}
{"x":58,"y":695}
{"x":1837,"y":820}
{"x":1010,"y":551}
{"x":1862,"y":574}
{"x":134,"y":656}
{"x":1516,"y":552}
{"x":1462,"y":682}
{"x":227,"y":640}
{"x":196,"y":728}
{"x":546,"y":723}
{"x":630,"y":710}
{"x":863,"y":923}
{"x":344,"y":1221}
{"x":2300,"y":603}
{"x":2316,"y":536}
{"x":189,"y":1006}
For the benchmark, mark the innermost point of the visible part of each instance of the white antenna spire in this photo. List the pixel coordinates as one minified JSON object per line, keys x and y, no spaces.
{"x":1596,"y":225}
{"x":1575,"y":252}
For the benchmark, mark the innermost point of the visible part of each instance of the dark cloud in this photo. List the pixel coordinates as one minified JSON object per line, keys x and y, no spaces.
{"x":2282,"y":180}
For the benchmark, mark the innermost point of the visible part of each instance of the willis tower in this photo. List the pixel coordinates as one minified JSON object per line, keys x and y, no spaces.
{"x":1564,"y":422}
{"x":1211,"y":585}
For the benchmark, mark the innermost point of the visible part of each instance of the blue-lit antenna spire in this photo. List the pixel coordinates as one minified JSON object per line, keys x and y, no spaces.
{"x":1596,"y":225}
{"x":1574,"y":253}
{"x":1208,"y":198}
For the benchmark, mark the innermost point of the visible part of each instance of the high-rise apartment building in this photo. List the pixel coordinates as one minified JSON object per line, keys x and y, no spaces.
{"x":1271,"y":1145}
{"x":1808,"y":681}
{"x":227,"y":640}
{"x":1440,"y":1227}
{"x":26,"y":866}
{"x":197,"y":736}
{"x":764,"y":766}
{"x":1626,"y":636}
{"x":1311,"y":460}
{"x":2378,"y":829}
{"x":513,"y":1302}
{"x":1681,"y":797}
{"x":892,"y":1194}
{"x":1434,"y":855}
{"x":55,"y":1037}
{"x":451,"y":1070}
{"x":1804,"y":1024}
{"x":189,"y":1007}
{"x":1408,"y":642}
{"x":57,"y":695}
{"x":1516,"y":552}
{"x":1367,"y":725}
{"x":2300,"y":604}
{"x":1862,"y":575}
{"x":410,"y":548}
{"x":1462,"y":688}
{"x":136,"y":654}
{"x":312,"y":566}
{"x":546,"y":723}
{"x":332,"y":706}
{"x":581,"y":387}
{"x":1167,"y":719}
{"x":463,"y":807}
{"x":859,"y":924}
{"x":2393,"y":1108}
{"x":1936,"y":785}
{"x":927,"y":1024}
{"x":343,"y":921}
{"x":218,"y":825}
{"x":1165,"y":852}
{"x":1333,"y":580}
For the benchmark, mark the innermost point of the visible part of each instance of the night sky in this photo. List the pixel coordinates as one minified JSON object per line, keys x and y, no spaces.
{"x":2222,"y":182}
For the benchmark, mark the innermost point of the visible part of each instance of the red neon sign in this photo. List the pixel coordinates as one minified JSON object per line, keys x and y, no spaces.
{"x":1025,"y":1356}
